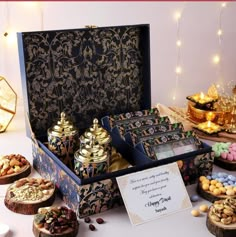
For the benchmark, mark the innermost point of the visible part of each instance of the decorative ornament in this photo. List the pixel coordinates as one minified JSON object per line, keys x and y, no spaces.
{"x":8,"y":99}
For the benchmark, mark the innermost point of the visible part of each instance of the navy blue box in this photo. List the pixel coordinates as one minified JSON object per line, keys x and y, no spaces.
{"x":87,"y":73}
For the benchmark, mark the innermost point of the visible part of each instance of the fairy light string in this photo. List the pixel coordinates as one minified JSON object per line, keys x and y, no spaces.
{"x":178,"y":68}
{"x":217,"y":58}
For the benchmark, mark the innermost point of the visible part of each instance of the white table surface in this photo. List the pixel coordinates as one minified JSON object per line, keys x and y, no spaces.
{"x":117,"y":224}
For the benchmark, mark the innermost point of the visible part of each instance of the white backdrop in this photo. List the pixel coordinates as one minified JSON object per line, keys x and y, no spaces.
{"x":197,"y":30}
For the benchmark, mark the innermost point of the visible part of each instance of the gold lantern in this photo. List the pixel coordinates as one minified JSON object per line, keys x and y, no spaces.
{"x":8,"y":100}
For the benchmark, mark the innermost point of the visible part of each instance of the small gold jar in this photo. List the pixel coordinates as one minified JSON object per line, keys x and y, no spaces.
{"x":100,"y":136}
{"x":91,"y":160}
{"x":63,"y":140}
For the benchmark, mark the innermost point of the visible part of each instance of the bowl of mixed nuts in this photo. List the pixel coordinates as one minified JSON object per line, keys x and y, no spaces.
{"x":13,"y":167}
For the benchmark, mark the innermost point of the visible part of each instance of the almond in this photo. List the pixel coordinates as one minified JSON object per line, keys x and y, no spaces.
{"x":10,"y":171}
{"x":15,"y":162}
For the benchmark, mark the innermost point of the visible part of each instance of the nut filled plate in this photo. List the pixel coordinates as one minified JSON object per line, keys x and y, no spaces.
{"x":13,"y":167}
{"x":27,"y":195}
{"x":221,"y":218}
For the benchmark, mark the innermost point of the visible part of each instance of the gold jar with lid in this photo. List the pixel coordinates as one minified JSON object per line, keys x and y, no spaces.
{"x":91,"y":160}
{"x":63,"y":140}
{"x":100,"y":136}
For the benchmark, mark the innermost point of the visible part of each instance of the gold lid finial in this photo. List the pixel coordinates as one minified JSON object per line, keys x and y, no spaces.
{"x":101,"y":136}
{"x":63,"y":127}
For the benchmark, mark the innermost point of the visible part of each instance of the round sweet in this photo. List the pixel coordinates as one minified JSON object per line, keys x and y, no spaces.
{"x":205,"y":186}
{"x":13,"y":167}
{"x":195,"y":213}
{"x":194,"y":198}
{"x":230,"y":192}
{"x":55,"y":221}
{"x":26,"y":195}
{"x":220,"y":147}
{"x":225,"y":155}
{"x":217,"y":190}
{"x":203,"y":208}
{"x":201,"y":178}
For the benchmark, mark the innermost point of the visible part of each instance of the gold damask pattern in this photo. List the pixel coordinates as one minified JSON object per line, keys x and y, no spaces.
{"x":87,"y":73}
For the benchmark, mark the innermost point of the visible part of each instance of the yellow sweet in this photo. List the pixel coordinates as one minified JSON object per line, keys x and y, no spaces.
{"x":212,"y":187}
{"x":230,"y":192}
{"x":218,"y":185}
{"x":206,"y":181}
{"x":195,"y":213}
{"x":222,"y":189}
{"x":205,"y":186}
{"x":229,"y":187}
{"x":201,"y":178}
{"x":203,"y":208}
{"x":216,"y":191}
{"x":214,"y":182}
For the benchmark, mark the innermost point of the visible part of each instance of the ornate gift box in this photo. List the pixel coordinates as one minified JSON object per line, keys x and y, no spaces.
{"x":89,"y":73}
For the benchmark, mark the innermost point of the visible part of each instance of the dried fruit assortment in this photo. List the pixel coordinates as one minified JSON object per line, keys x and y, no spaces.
{"x":56,"y":220}
{"x":92,"y":227}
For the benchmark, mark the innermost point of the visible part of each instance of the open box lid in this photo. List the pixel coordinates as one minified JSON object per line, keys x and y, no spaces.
{"x":87,"y":73}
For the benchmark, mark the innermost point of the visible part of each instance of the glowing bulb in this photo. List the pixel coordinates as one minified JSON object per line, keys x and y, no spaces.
{"x":11,"y":37}
{"x":177,"y":16}
{"x":174,"y":98}
{"x":178,"y":43}
{"x":178,"y":70}
{"x":223,"y":4}
{"x":216,"y":59}
{"x":219,"y":32}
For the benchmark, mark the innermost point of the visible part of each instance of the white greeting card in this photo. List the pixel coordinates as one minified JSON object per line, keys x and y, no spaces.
{"x":153,"y":193}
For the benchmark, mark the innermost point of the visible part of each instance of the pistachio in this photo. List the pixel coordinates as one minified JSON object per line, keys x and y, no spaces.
{"x":226,"y":221}
{"x":215,"y":218}
{"x":228,"y":212}
{"x":219,"y":207}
